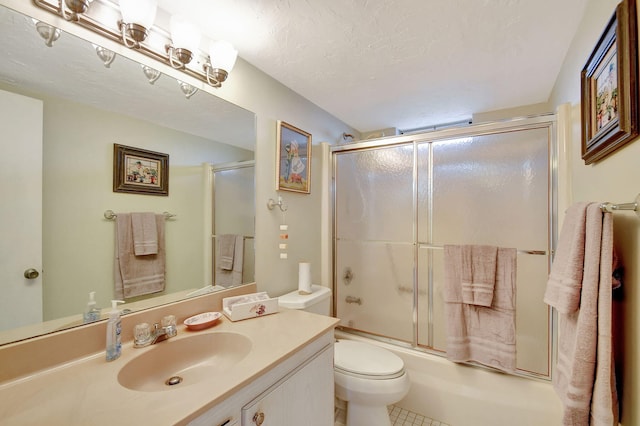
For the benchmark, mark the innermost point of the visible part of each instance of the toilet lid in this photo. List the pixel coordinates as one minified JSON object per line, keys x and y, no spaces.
{"x":366,"y":359}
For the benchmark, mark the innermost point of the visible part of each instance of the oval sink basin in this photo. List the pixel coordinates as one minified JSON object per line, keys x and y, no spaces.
{"x":176,"y":363}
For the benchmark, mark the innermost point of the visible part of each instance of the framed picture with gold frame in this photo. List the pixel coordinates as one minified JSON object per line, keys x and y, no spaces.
{"x":609,"y":85}
{"x":139,"y":171}
{"x":294,"y":159}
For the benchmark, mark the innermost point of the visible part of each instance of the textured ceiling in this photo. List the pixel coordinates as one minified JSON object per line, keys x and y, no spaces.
{"x":399,"y":63}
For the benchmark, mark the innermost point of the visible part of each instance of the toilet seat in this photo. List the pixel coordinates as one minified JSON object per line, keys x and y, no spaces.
{"x":367,"y":361}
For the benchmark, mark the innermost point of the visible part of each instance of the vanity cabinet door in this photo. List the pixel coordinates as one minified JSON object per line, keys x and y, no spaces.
{"x":303,"y":397}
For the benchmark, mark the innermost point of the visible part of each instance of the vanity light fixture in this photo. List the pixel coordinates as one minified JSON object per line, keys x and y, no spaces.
{"x":187,"y":89}
{"x":151,"y":74}
{"x":137,"y":18}
{"x":131,"y":23}
{"x":222,"y":58}
{"x":70,"y":9}
{"x":106,"y":56}
{"x":49,"y":33}
{"x":185,"y":40}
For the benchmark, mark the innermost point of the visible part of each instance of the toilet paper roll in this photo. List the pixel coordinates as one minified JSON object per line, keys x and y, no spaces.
{"x":304,"y":278}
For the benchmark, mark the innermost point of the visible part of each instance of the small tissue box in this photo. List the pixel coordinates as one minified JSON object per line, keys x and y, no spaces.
{"x":249,"y":306}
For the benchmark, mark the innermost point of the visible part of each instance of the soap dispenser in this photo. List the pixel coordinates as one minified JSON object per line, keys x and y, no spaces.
{"x":114,"y":328}
{"x":91,"y":313}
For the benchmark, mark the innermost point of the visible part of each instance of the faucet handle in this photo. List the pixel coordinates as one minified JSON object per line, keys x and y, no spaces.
{"x":142,"y":335}
{"x":168,"y":321}
{"x":169,"y":325}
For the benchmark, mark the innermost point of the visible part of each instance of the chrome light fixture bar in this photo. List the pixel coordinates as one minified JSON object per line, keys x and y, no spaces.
{"x":70,"y":9}
{"x":137,"y":18}
{"x":136,"y":30}
{"x":185,"y":40}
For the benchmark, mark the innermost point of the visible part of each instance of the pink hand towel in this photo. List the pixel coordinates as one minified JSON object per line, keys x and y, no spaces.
{"x":486,"y":335}
{"x":565,"y":280}
{"x":478,"y":274}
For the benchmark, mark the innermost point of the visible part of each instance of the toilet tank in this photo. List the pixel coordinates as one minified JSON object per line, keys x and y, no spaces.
{"x":318,"y":302}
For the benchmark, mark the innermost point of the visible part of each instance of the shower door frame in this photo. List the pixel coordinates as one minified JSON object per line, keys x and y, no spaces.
{"x":548,"y":121}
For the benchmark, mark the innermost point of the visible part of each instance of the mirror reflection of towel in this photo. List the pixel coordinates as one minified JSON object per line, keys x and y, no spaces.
{"x":137,"y":275}
{"x":145,"y":233}
{"x":232,"y":277}
{"x":227,"y":247}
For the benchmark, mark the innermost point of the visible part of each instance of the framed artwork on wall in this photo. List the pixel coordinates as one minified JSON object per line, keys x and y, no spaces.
{"x":609,"y":87}
{"x":138,"y":171}
{"x":293,"y":169}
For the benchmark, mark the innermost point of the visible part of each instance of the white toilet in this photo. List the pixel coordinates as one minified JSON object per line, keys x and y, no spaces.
{"x":366,"y":376}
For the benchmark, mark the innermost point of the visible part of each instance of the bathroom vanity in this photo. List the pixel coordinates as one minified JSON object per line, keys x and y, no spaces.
{"x":278,"y":369}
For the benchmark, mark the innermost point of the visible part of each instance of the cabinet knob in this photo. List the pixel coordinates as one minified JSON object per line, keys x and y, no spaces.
{"x":258,"y":418}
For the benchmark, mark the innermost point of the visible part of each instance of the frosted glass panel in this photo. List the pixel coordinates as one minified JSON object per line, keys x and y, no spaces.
{"x":233,"y":210}
{"x":492,"y":189}
{"x":374,"y":194}
{"x":234,"y":201}
{"x":382,"y":280}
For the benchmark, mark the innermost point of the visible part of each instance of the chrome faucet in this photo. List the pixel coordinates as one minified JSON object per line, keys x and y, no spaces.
{"x":145,"y":336}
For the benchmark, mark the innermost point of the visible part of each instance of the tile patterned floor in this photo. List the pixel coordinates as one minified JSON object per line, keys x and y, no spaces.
{"x":399,"y":417}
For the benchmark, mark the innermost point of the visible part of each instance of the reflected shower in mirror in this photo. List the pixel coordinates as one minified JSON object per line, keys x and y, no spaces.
{"x":83,"y":104}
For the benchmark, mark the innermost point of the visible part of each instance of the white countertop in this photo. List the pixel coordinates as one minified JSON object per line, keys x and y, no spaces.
{"x":87,"y":392}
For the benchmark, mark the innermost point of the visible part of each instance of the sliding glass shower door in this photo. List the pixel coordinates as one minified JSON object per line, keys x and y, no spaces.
{"x":398,"y":202}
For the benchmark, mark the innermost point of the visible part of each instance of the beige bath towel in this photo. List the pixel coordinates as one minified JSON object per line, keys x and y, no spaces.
{"x":233,"y":277}
{"x":585,"y":377}
{"x":478,"y":274}
{"x":226,"y":251}
{"x":145,"y":233}
{"x":137,"y":275}
{"x":565,"y":279}
{"x":486,"y":335}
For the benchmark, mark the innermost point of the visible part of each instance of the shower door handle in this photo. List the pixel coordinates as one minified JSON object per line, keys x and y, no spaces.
{"x":351,"y":299}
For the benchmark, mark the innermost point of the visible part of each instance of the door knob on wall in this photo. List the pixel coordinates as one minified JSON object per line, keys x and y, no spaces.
{"x":31,"y":274}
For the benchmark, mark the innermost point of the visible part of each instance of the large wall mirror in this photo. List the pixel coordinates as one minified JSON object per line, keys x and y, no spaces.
{"x":80,"y":108}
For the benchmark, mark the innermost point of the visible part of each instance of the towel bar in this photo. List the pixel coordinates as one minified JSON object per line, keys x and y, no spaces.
{"x":536,"y":252}
{"x":610,"y":207}
{"x":110,"y":215}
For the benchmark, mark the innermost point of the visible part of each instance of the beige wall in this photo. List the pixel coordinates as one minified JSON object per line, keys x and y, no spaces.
{"x":615,"y":179}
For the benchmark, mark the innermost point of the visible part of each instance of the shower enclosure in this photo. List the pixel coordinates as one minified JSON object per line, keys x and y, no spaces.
{"x":398,"y":201}
{"x":234,"y":211}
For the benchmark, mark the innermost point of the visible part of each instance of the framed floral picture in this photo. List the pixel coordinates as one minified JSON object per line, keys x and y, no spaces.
{"x":138,"y":171}
{"x":609,"y":83}
{"x":294,"y":159}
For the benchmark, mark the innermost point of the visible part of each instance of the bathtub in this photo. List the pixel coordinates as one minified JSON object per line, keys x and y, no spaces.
{"x":462,"y":395}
